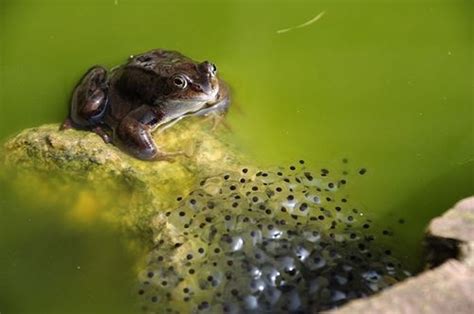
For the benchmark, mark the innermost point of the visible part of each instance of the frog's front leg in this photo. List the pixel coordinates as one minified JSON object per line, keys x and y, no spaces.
{"x":133,"y":134}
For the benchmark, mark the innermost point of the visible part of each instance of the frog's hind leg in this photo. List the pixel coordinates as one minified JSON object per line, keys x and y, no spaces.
{"x":89,"y":100}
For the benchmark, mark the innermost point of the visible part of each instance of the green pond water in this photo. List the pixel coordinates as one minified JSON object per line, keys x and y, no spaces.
{"x":387,"y":84}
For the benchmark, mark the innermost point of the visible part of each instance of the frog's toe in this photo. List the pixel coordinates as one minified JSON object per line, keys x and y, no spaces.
{"x":67,"y":124}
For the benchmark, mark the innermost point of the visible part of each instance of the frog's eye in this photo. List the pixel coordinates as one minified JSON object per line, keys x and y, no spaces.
{"x":180,"y":81}
{"x":213,"y":69}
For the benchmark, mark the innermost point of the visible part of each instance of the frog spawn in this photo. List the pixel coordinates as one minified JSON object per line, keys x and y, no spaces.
{"x":277,"y":241}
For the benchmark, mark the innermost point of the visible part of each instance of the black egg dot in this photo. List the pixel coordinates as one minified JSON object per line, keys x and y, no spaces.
{"x":227,"y":217}
{"x":217,"y":250}
{"x":189,"y":256}
{"x":350,"y":218}
{"x":344,"y":200}
{"x":255,"y":199}
{"x":140,"y":292}
{"x":210,"y":278}
{"x":242,"y":180}
{"x":292,"y":168}
{"x":279,"y":173}
{"x":330,"y":185}
{"x":321,"y":217}
{"x":191,"y":271}
{"x":201,"y":250}
{"x":301,"y":161}
{"x":283,"y":210}
{"x":245,"y":170}
{"x":290,"y":197}
{"x":235,"y":204}
{"x":362,"y":171}
{"x":209,"y":219}
{"x":278,"y":189}
{"x":366,"y":226}
{"x":268,"y":211}
{"x":232,"y":187}
{"x":353,"y":235}
{"x":303,"y":207}
{"x":150,"y":274}
{"x":338,"y":208}
{"x":226,"y":177}
{"x":182,"y":214}
{"x":164,"y":283}
{"x":179,"y":198}
{"x":160,"y":258}
{"x":254,"y":188}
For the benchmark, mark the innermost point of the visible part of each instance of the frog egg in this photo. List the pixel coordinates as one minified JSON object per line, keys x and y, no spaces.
{"x":272,"y":231}
{"x":231,"y":243}
{"x":311,"y":235}
{"x":257,"y":285}
{"x":267,"y":177}
{"x":315,"y":261}
{"x":270,"y":275}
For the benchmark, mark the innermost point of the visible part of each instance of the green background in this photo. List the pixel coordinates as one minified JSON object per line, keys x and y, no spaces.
{"x":387,"y":84}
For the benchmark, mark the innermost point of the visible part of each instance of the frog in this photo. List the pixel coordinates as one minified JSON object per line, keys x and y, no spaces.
{"x":150,"y":92}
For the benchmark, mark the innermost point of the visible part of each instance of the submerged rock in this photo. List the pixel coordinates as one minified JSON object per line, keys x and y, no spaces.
{"x":220,"y":236}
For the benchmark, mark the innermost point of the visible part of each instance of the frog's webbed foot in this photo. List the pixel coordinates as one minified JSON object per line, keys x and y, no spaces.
{"x":99,"y":130}
{"x":66,"y":125}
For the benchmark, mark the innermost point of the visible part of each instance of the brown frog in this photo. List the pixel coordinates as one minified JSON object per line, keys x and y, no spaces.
{"x":151,"y":91}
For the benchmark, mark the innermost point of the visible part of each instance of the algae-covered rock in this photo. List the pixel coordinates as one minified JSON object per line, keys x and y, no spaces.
{"x":79,"y":165}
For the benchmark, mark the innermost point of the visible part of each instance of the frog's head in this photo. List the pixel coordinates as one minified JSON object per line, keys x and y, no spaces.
{"x":178,"y":84}
{"x":192,"y":83}
{"x":182,"y":82}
